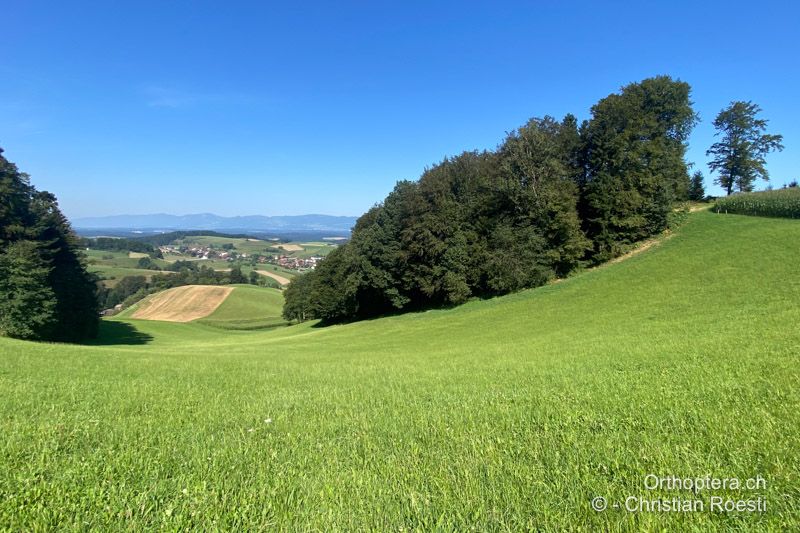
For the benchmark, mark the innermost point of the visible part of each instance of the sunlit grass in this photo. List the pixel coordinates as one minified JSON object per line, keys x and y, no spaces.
{"x":506,"y":414}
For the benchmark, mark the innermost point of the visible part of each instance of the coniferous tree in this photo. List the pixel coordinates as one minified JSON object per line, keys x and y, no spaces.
{"x":696,"y":190}
{"x":27,"y":302}
{"x":61,"y":296}
{"x":236,"y":275}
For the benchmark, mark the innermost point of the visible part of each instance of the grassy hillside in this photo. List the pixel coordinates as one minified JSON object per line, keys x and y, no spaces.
{"x":248,"y":307}
{"x":505,"y":414}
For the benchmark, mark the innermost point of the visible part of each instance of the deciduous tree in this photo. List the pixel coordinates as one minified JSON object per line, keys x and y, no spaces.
{"x":739,"y":157}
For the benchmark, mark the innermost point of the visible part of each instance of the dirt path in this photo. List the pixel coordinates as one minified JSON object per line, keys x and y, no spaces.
{"x":276,"y":277}
{"x":641,"y":247}
{"x":182,"y":304}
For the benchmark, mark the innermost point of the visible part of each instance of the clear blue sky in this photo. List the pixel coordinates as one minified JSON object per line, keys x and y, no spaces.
{"x":320,"y":107}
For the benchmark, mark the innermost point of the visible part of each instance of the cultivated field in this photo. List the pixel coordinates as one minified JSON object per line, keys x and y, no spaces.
{"x":784,"y":203}
{"x":500,"y":415}
{"x":182,"y":304}
{"x":290,"y":247}
{"x":283,"y":280}
{"x":113,"y":266}
{"x":247,"y":308}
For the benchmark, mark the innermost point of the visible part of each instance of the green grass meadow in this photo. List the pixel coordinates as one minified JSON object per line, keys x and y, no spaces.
{"x":248,"y":307}
{"x":249,"y":246}
{"x":506,"y":414}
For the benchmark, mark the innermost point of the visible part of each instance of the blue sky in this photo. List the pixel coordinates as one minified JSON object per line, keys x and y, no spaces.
{"x":292,"y":108}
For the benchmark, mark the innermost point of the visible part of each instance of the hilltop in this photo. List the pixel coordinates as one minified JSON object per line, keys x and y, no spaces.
{"x":509,"y":413}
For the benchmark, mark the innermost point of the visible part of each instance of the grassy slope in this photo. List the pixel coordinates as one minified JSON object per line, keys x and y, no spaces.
{"x":503,"y":414}
{"x":248,"y":307}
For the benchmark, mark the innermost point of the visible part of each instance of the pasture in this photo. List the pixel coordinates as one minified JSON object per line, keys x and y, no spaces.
{"x":247,"y":308}
{"x":112,"y":266}
{"x":281,"y":279}
{"x":505,"y":414}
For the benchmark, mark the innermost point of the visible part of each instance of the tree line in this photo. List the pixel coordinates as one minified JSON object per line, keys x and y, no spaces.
{"x":46,"y":293}
{"x":163,"y":239}
{"x":553,"y":197}
{"x":115,"y":244}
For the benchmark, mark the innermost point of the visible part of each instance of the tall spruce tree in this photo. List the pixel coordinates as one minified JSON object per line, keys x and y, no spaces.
{"x":27,"y":301}
{"x":58,"y":300}
{"x":697,"y":191}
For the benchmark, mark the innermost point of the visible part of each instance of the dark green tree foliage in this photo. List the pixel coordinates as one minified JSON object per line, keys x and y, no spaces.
{"x":147,"y":263}
{"x":696,"y":190}
{"x":488,"y":223}
{"x":236,"y":275}
{"x":635,"y":144}
{"x":739,"y":157}
{"x":478,"y":224}
{"x":126,"y":287}
{"x":120,"y":245}
{"x":27,"y":303}
{"x":298,"y":299}
{"x":58,"y":300}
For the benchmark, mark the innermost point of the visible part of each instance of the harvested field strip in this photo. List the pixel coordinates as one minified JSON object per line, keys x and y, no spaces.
{"x":276,"y":277}
{"x":290,"y":247}
{"x":182,"y":304}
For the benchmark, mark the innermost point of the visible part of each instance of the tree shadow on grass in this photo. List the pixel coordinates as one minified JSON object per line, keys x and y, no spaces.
{"x":115,"y":333}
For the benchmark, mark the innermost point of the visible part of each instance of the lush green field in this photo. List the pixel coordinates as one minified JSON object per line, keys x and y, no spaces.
{"x":246,"y":246}
{"x":219,"y":264}
{"x":250,"y":246}
{"x":113,"y":266}
{"x":505,"y":414}
{"x":311,"y":249}
{"x":111,"y":275}
{"x":248,"y":307}
{"x":784,"y":203}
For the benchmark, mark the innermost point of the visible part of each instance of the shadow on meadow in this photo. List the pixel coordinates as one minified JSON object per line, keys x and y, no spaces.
{"x":114,"y":333}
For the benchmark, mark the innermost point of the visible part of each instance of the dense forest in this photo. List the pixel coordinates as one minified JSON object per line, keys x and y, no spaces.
{"x":46,"y":292}
{"x":553,"y":197}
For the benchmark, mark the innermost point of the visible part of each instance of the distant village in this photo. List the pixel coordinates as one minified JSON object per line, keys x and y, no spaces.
{"x":202,"y":252}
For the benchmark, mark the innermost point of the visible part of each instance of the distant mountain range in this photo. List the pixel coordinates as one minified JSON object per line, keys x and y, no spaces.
{"x":165,"y":222}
